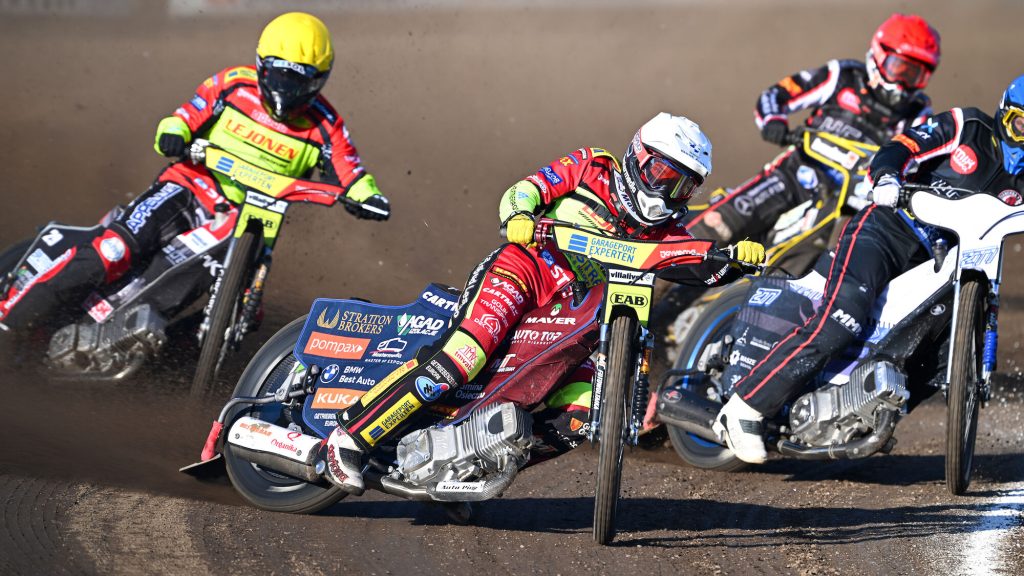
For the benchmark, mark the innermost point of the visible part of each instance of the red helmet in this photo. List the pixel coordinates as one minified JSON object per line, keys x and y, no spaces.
{"x":904,"y":52}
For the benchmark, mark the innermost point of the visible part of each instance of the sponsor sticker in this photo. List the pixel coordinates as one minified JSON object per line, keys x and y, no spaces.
{"x":849,"y":100}
{"x":392,"y":346}
{"x":52,"y":237}
{"x":429,"y":390}
{"x":409,"y":324}
{"x":330,"y":373}
{"x":1011,"y":197}
{"x":963,"y":160}
{"x":439,"y":301}
{"x":335,"y":398}
{"x":807,"y":177}
{"x":467,"y":357}
{"x":392,"y":418}
{"x":550,"y":176}
{"x":199,"y":240}
{"x":99,"y":308}
{"x":672,"y":396}
{"x":764,"y":296}
{"x":338,"y":347}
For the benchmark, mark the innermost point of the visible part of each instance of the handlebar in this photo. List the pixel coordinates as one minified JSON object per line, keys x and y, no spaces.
{"x":543,"y":233}
{"x":794,"y":137}
{"x":196,"y":154}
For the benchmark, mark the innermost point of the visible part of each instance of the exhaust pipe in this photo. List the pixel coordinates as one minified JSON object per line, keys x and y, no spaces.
{"x":688,"y":411}
{"x":276,"y":448}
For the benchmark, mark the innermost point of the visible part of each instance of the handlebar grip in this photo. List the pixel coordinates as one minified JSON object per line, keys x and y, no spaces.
{"x":794,"y":137}
{"x":723,"y":256}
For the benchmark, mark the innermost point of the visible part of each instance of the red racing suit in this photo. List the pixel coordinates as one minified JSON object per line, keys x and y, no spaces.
{"x":226,"y":110}
{"x":512,"y":282}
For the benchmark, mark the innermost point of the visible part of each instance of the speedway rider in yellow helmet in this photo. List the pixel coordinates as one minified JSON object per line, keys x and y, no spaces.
{"x":271,"y":115}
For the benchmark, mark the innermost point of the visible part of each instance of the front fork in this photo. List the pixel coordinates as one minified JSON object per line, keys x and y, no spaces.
{"x":988,"y":362}
{"x":640,"y":391}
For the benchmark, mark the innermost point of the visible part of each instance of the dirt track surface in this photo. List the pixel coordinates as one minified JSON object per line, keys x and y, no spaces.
{"x":448,"y":108}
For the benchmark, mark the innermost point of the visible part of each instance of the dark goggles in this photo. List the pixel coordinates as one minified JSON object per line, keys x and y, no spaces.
{"x":905,"y":71}
{"x":668,"y":179}
{"x":289,"y":78}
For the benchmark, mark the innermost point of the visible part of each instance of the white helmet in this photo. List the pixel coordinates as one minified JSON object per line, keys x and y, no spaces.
{"x":667,"y":160}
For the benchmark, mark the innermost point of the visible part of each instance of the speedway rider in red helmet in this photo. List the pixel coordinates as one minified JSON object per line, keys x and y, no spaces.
{"x":867,"y":102}
{"x":271,"y":115}
{"x":668,"y":158}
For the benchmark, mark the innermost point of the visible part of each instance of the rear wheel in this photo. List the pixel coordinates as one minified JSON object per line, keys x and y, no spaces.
{"x":225,"y":311}
{"x":714,"y":323}
{"x":620,"y":373}
{"x":270,"y":368}
{"x":962,"y":400}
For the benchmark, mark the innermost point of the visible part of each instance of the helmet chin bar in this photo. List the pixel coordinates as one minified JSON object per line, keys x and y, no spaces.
{"x":652,"y":210}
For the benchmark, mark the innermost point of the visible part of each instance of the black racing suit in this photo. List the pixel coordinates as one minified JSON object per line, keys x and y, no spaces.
{"x":957,"y":149}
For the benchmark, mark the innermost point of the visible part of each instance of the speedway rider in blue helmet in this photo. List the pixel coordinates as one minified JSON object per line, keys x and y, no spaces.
{"x":961,"y":148}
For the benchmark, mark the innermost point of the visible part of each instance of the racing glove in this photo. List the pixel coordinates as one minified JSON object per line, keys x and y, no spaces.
{"x":172,"y":136}
{"x":372,"y":204}
{"x":376,"y":207}
{"x":886,"y":191}
{"x":171,"y":145}
{"x":748,"y":252}
{"x":775,"y":131}
{"x":519,"y":229}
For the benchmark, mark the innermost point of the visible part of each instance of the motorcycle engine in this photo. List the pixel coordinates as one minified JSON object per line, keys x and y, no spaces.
{"x":113,"y":349}
{"x":492,"y":438}
{"x":837,"y":414}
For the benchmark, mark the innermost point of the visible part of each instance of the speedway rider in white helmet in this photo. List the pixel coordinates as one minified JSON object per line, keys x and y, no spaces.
{"x":667,"y":159}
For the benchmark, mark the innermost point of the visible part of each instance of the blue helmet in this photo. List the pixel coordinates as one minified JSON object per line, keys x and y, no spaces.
{"x":1010,"y":126}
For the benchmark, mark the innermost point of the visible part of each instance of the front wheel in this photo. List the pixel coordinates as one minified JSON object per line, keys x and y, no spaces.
{"x":620,"y":373}
{"x":962,"y":399}
{"x":225,"y":309}
{"x":271,"y":367}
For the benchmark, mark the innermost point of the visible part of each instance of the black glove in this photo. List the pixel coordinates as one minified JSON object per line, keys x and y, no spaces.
{"x":375,"y":207}
{"x":775,"y":131}
{"x":172,"y":145}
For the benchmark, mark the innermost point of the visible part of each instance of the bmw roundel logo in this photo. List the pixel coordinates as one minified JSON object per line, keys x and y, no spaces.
{"x":330,"y":373}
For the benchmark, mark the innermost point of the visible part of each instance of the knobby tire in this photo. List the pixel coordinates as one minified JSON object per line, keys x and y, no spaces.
{"x":962,"y":397}
{"x":621,"y":369}
{"x":228,"y":299}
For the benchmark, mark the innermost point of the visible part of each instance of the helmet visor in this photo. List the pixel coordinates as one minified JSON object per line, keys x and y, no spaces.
{"x":666,"y":178}
{"x":905,"y":71}
{"x":1013,"y":124}
{"x":291,"y":85}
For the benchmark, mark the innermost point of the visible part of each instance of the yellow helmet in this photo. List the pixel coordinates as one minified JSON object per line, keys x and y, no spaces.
{"x":294,"y":58}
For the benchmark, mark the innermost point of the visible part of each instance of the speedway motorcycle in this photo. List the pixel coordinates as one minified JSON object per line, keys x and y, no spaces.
{"x":472,"y":444}
{"x":934,"y":328}
{"x":797,"y":237}
{"x":119,"y":328}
